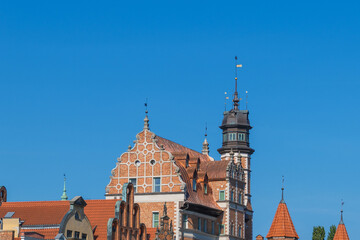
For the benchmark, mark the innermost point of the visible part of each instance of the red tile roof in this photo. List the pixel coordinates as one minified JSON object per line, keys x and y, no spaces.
{"x":36,"y":213}
{"x":49,"y":233}
{"x":282,"y":225}
{"x":99,"y":212}
{"x":341,"y":233}
{"x":176,"y":148}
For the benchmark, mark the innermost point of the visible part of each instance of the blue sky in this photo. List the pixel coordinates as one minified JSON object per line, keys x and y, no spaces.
{"x":74,"y":76}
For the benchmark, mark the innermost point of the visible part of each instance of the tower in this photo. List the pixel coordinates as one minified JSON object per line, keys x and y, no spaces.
{"x":341,"y":233}
{"x":235,"y":134}
{"x":282,"y":226}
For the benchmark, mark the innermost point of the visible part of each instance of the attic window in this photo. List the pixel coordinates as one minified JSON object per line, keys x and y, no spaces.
{"x":187,"y":161}
{"x":194,"y":184}
{"x":205,"y":188}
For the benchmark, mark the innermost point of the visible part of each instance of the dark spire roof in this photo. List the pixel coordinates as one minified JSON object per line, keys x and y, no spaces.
{"x":236,"y":99}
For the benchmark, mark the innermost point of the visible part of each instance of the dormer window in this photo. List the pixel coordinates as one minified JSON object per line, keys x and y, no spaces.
{"x":194,"y":184}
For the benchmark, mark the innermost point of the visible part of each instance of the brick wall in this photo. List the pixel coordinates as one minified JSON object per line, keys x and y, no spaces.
{"x":6,"y":235}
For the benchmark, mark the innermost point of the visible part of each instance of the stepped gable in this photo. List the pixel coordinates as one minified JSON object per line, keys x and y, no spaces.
{"x":98,"y":213}
{"x":282,"y":225}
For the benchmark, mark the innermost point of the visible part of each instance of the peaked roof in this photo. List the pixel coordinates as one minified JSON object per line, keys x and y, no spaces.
{"x":282,"y":225}
{"x":341,"y":233}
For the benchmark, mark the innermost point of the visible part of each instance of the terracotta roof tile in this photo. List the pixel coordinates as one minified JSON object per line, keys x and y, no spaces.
{"x":37,"y":213}
{"x":49,"y":233}
{"x":341,"y":233}
{"x":177,"y":149}
{"x":282,"y":225}
{"x":99,"y":212}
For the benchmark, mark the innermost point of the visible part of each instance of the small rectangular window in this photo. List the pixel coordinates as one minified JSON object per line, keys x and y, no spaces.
{"x":221,"y":229}
{"x":212,"y":227}
{"x":77,"y":235}
{"x":155,"y":222}
{"x":232,"y":136}
{"x":205,"y":188}
{"x":199,"y":224}
{"x":222,"y":195}
{"x":232,"y":229}
{"x":239,"y":231}
{"x":205,"y":225}
{"x":68,"y":233}
{"x":240,"y":198}
{"x":185,"y":221}
{"x":232,"y":196}
{"x":83,"y":236}
{"x":156,"y":184}
{"x":133,"y":181}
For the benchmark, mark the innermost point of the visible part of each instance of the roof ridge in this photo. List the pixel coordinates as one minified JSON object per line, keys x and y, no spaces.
{"x":179,"y":144}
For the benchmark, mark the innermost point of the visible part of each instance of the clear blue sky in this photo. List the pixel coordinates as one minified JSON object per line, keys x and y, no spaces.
{"x":74,"y":76}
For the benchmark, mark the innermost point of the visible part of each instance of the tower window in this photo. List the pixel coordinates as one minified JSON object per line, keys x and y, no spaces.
{"x":232,"y":136}
{"x":239,"y":231}
{"x":225,"y":137}
{"x":241,"y":137}
{"x":199,"y":224}
{"x":240,"y":198}
{"x":232,"y":195}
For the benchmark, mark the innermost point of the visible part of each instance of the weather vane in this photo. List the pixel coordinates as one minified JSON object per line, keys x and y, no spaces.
{"x":146,"y":106}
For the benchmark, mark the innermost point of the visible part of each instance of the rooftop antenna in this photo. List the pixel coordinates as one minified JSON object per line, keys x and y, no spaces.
{"x":236,"y":99}
{"x":146,"y":120}
{"x":282,"y":190}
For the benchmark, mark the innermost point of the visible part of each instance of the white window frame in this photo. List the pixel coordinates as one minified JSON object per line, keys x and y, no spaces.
{"x":153,"y":219}
{"x":154,"y":185}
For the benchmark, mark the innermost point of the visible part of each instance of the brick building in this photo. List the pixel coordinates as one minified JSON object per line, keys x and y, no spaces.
{"x":206,"y":199}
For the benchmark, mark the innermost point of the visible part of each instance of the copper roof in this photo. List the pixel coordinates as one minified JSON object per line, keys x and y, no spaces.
{"x":282,"y":225}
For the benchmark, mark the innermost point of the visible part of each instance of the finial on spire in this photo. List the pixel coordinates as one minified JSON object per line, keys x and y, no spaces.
{"x":205,"y":149}
{"x":226,"y":98}
{"x":64,"y":197}
{"x":246,"y":101}
{"x":342,"y":206}
{"x":146,"y":120}
{"x":282,"y":191}
{"x":231,"y":155}
{"x":236,"y":97}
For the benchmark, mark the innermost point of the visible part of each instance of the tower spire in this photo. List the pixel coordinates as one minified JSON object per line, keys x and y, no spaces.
{"x":205,"y":149}
{"x":236,"y":96}
{"x":146,"y":119}
{"x":342,"y":210}
{"x":282,"y":191}
{"x":64,"y":197}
